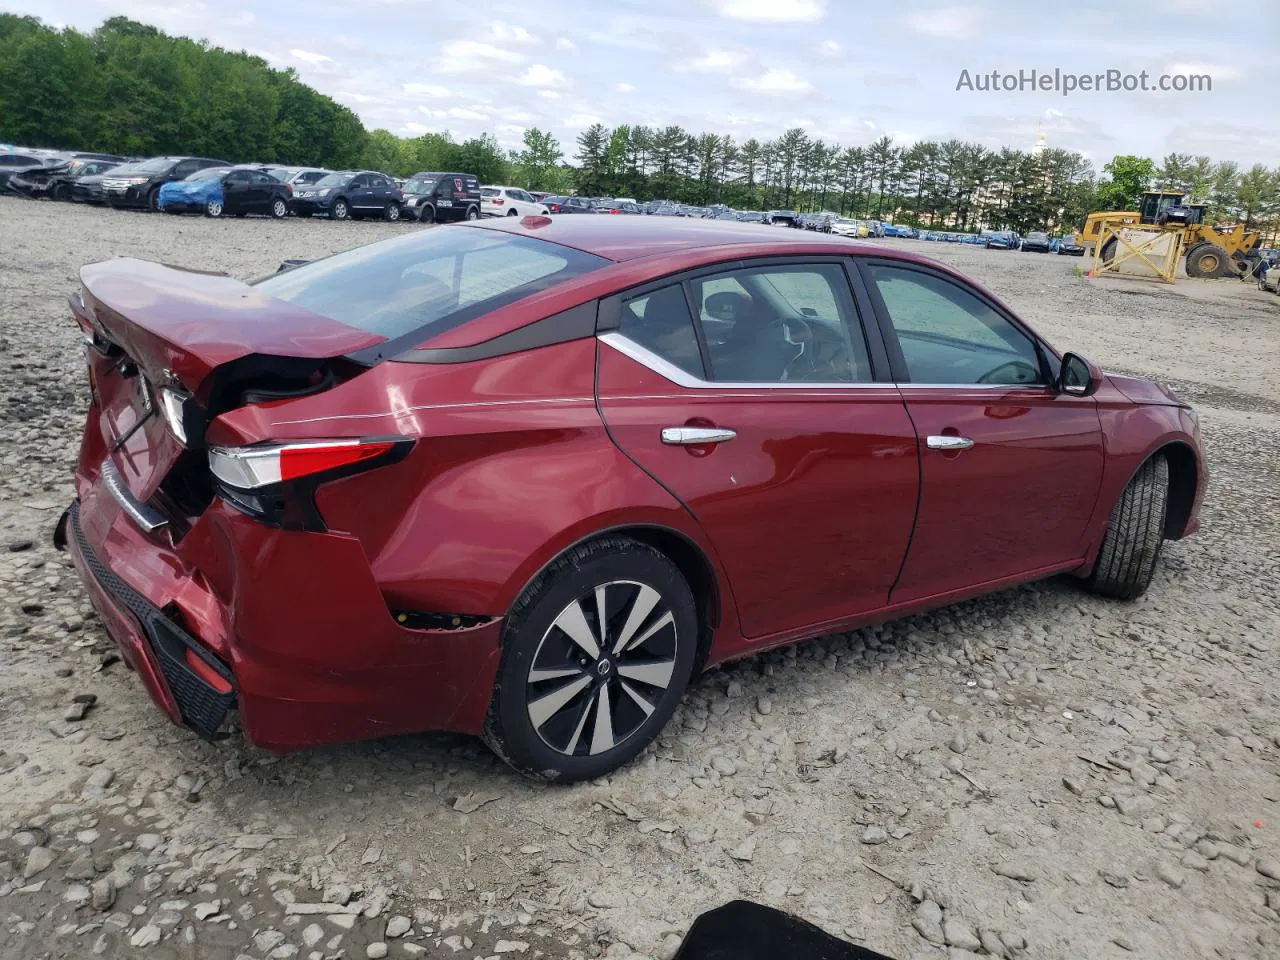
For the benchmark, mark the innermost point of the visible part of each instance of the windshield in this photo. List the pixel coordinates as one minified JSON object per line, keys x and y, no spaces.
{"x":429,"y":281}
{"x":420,"y":185}
{"x":335,"y":180}
{"x":209,"y":173}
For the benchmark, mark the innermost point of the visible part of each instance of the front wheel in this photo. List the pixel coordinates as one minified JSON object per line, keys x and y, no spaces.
{"x":597,"y":653}
{"x":340,"y":210}
{"x":1208,"y":260}
{"x":426,"y":213}
{"x":61,"y":191}
{"x":279,"y":209}
{"x":473,"y":213}
{"x":1135,"y":532}
{"x":391,"y":212}
{"x":213,"y":208}
{"x":153,"y":200}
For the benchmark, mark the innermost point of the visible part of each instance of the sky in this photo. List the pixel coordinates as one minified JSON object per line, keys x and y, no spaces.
{"x":847,"y":71}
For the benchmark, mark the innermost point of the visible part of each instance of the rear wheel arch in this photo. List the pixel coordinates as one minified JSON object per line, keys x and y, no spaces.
{"x":687,"y":555}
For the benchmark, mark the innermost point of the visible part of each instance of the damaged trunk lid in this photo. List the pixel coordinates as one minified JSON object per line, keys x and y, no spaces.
{"x":173,"y":348}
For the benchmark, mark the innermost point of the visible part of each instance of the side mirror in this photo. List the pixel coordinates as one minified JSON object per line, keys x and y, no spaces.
{"x":1078,"y":376}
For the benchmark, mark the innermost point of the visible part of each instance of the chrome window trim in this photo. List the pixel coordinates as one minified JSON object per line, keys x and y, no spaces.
{"x":669,"y":371}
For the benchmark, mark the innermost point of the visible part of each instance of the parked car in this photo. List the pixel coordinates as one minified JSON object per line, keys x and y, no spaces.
{"x":1067,"y":246}
{"x":138,"y":184}
{"x":509,"y":202}
{"x":55,"y":180}
{"x":753,"y":216}
{"x":15,"y":164}
{"x":441,"y":197}
{"x":617,"y":206}
{"x":784,"y":218}
{"x":572,"y":205}
{"x":875,"y":228}
{"x":844,"y":227}
{"x":297,"y":177}
{"x":352,"y":195}
{"x":1001,"y":240}
{"x":214,"y":191}
{"x":1037,"y":241}
{"x":342,"y":547}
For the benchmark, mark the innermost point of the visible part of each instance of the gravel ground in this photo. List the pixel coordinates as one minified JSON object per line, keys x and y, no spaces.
{"x":1040,"y":773}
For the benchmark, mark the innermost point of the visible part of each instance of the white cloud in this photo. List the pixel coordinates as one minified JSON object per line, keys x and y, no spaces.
{"x":540,"y":75}
{"x":775,"y":81}
{"x":714,"y":61}
{"x":509,"y":33}
{"x":466,"y":113}
{"x":426,"y":90}
{"x":306,"y":56}
{"x":829,"y":49}
{"x":564,"y":43}
{"x":1218,"y":71}
{"x":773,"y":11}
{"x":950,"y":23}
{"x":623,"y":88}
{"x":465,"y":56}
{"x":579,"y":120}
{"x":549,"y":94}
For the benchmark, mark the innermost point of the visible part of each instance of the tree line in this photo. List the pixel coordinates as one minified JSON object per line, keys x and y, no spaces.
{"x":128,"y":88}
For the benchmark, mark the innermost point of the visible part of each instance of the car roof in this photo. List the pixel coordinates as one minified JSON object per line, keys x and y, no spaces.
{"x":632,"y":238}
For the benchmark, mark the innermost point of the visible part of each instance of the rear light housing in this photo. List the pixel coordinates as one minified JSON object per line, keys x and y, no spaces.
{"x":276,"y":482}
{"x":497,"y":201}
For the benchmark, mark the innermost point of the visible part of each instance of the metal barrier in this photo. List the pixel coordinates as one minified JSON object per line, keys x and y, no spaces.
{"x":1157,"y":250}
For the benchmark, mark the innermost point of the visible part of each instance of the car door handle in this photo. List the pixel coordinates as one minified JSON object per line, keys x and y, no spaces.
{"x":690,"y":436}
{"x":948,"y":443}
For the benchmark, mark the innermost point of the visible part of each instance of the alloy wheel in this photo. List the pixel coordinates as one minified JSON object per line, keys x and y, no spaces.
{"x":213,"y":208}
{"x":601,"y":668}
{"x":279,"y":209}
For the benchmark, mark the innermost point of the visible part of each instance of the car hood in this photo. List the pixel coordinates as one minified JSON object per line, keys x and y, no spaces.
{"x":1145,"y":391}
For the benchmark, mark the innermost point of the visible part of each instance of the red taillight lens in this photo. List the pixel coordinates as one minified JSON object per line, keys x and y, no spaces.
{"x":498,"y":201}
{"x":249,"y":468}
{"x":302,"y":460}
{"x":289,"y":187}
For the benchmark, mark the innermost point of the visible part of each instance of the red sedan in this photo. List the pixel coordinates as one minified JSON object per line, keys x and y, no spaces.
{"x":526,"y":478}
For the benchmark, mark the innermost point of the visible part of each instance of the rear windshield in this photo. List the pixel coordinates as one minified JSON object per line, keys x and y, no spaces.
{"x":490,"y":192}
{"x":422,"y":284}
{"x":210,"y":173}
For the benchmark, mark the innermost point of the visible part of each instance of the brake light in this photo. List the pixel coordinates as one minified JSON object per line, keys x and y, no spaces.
{"x":498,"y":201}
{"x":289,"y":187}
{"x":250,"y":468}
{"x":276,"y":483}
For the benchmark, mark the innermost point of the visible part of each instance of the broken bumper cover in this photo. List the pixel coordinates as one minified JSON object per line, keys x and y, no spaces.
{"x":155,"y":646}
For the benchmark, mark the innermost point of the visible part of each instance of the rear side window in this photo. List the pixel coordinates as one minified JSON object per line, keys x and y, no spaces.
{"x":661,"y":323}
{"x":422,"y":284}
{"x":489,"y":192}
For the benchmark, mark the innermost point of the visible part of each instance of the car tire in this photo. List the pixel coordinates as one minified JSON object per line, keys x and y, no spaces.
{"x":213,"y":208}
{"x":1135,"y":533}
{"x":279,"y":209}
{"x":581,"y":718}
{"x":391,"y":212}
{"x":473,"y":213}
{"x":153,"y":200}
{"x":61,"y":191}
{"x":340,"y":210}
{"x":426,"y":213}
{"x":513,"y":213}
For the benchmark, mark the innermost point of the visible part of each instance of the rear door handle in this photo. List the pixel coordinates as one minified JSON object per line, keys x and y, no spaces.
{"x":948,"y":443}
{"x":690,"y":436}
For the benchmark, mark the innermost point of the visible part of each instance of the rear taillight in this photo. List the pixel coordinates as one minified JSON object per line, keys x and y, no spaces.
{"x":498,"y":201}
{"x":276,"y":482}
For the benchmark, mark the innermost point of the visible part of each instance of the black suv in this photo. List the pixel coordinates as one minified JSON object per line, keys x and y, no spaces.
{"x":138,"y":184}
{"x":432,"y":197}
{"x":351,"y":195}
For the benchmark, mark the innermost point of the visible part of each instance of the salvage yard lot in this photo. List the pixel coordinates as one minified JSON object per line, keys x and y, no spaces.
{"x":1040,"y":773}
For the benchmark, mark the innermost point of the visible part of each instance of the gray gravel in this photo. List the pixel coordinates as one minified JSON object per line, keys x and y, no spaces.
{"x":1040,"y":773}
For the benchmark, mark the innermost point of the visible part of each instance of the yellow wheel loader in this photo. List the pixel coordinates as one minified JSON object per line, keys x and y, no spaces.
{"x":1210,"y":252}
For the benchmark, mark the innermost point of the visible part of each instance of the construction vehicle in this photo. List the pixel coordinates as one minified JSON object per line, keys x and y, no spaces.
{"x":1210,"y":251}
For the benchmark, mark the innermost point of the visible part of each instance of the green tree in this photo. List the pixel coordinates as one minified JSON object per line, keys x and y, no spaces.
{"x":1127,"y":177}
{"x":539,"y":161}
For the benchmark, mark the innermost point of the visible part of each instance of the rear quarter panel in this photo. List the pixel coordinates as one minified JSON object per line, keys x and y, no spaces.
{"x":512,"y":466}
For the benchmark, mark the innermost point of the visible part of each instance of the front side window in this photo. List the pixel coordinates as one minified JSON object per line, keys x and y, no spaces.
{"x":779,"y":324}
{"x":427,"y":282}
{"x":359,"y":182}
{"x":238,"y":176}
{"x":949,"y":335}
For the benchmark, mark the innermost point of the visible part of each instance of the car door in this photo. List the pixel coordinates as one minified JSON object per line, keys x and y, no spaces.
{"x":760,"y":411}
{"x":263,"y":189}
{"x":236,"y":197}
{"x":1010,"y":467}
{"x":358,"y":192}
